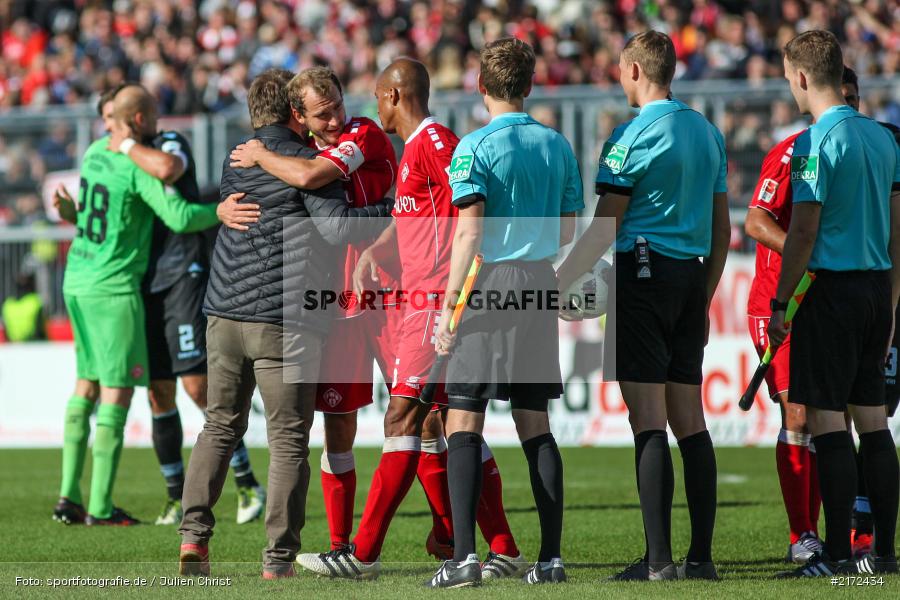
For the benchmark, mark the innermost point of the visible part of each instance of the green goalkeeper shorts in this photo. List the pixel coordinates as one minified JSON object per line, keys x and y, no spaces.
{"x":110,"y":340}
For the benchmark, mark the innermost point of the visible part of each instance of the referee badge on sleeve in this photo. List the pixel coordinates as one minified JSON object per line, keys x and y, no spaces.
{"x":461,"y":167}
{"x":613,"y":156}
{"x":804,"y":168}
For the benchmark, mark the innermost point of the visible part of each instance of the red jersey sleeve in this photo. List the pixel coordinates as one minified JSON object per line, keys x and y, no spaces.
{"x":773,"y":190}
{"x":362,"y":141}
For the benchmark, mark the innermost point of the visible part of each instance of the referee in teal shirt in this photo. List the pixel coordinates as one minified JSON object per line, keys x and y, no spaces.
{"x":512,"y":180}
{"x":664,"y":204}
{"x":845,"y":179}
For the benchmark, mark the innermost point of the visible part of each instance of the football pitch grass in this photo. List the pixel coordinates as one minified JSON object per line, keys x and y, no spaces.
{"x":602,"y":533}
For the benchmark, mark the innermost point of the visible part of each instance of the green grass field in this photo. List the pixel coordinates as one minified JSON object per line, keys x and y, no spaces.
{"x":602,"y":532}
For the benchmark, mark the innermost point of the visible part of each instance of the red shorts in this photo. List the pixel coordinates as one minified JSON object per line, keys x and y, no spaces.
{"x":352,"y":345}
{"x":415,"y":356}
{"x":778,"y":376}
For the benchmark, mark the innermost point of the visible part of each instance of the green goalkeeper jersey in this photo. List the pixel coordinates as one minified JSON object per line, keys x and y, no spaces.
{"x":116,"y":203}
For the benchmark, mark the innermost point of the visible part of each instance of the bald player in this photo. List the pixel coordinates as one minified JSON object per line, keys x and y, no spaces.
{"x":421,"y":236}
{"x":105,"y":265}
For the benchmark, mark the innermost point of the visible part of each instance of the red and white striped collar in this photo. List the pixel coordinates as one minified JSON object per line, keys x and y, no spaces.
{"x":425,"y":123}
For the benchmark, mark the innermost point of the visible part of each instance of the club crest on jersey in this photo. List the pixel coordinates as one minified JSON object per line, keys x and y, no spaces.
{"x":346,"y":150}
{"x":331,"y":397}
{"x":137,"y":371}
{"x":404,"y":173}
{"x":767,"y":191}
{"x":804,"y":168}
{"x":613,"y":156}
{"x":461,"y":167}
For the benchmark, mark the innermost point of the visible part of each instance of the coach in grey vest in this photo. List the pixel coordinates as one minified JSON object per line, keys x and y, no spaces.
{"x":259,"y":332}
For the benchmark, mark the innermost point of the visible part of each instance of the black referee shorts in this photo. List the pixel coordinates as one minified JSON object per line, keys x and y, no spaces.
{"x":838,"y":341}
{"x":176,"y":329}
{"x":510,"y":354}
{"x":658,"y":326}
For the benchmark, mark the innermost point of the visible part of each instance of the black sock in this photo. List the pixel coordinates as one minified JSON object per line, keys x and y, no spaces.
{"x":656,"y":485}
{"x":700,"y":478}
{"x":167,"y":440}
{"x":464,"y":477}
{"x":546,"y":472}
{"x":240,"y":464}
{"x":862,"y":511}
{"x":881,"y":470}
{"x":837,"y":482}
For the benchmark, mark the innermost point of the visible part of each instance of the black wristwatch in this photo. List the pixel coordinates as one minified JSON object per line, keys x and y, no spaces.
{"x":775,"y":305}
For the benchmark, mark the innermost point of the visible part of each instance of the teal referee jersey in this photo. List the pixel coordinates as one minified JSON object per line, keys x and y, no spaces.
{"x":526,"y":175}
{"x":848,"y":163}
{"x":669,"y":160}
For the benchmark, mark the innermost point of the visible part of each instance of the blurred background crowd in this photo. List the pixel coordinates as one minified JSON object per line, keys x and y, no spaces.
{"x":198,"y":56}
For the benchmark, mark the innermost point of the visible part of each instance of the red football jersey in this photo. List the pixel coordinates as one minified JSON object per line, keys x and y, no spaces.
{"x":365,"y":156}
{"x":423,"y":210}
{"x":772,"y":194}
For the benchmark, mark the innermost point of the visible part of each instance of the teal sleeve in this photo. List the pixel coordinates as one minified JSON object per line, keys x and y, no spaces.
{"x":178,"y":214}
{"x":896,"y":186}
{"x":573,"y":197}
{"x":468,"y":172}
{"x":623,"y":161}
{"x":810,"y":170}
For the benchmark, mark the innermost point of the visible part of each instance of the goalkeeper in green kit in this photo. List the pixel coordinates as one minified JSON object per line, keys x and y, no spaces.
{"x":115,"y":207}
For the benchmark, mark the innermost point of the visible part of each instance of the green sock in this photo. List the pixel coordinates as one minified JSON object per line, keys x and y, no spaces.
{"x":76,"y":431}
{"x":107,"y":449}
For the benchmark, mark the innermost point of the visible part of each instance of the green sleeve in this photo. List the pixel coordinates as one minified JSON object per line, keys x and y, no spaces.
{"x":178,"y":214}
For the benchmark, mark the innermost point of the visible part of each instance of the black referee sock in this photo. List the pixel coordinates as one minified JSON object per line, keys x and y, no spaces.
{"x":882,"y":473}
{"x":837,"y":482}
{"x":546,"y":472}
{"x":464,"y":478}
{"x":167,"y":440}
{"x":700,"y":478}
{"x":862,"y":514}
{"x":656,"y":486}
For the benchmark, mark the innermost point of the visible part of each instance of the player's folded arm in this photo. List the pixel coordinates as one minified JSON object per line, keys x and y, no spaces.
{"x":339,"y":223}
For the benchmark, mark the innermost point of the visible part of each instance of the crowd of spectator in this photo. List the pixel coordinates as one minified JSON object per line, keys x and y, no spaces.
{"x":198,"y":55}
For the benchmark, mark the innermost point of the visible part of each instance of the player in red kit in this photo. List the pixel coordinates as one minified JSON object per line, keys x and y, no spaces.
{"x":767,"y":222}
{"x":357,"y":151}
{"x":422,"y":233}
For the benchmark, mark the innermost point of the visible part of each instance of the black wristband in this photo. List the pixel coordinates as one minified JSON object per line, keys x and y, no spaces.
{"x":775,"y":305}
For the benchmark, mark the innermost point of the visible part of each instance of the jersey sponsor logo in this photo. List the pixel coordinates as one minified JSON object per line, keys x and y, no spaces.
{"x":804,"y":168}
{"x":404,"y":173}
{"x":767,"y":191}
{"x":461,"y":167}
{"x":613,"y":156}
{"x":406,"y":204}
{"x":331,"y":397}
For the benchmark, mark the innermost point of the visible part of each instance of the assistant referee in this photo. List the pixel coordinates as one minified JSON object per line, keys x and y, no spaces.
{"x":664,"y":202}
{"x":512,"y":181}
{"x":845,"y":226}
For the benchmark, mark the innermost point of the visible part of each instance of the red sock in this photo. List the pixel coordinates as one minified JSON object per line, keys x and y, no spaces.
{"x":432,"y":472}
{"x":390,"y":484}
{"x":339,"y":491}
{"x":792,"y":461}
{"x":815,"y":499}
{"x":491,"y":517}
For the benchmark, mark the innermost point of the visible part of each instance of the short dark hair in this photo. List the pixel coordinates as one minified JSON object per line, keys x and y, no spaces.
{"x":818,"y":54}
{"x":849,"y":78}
{"x":267,"y":98}
{"x":507,"y":68}
{"x":109,"y":95}
{"x":655,"y":52}
{"x":317,"y":79}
